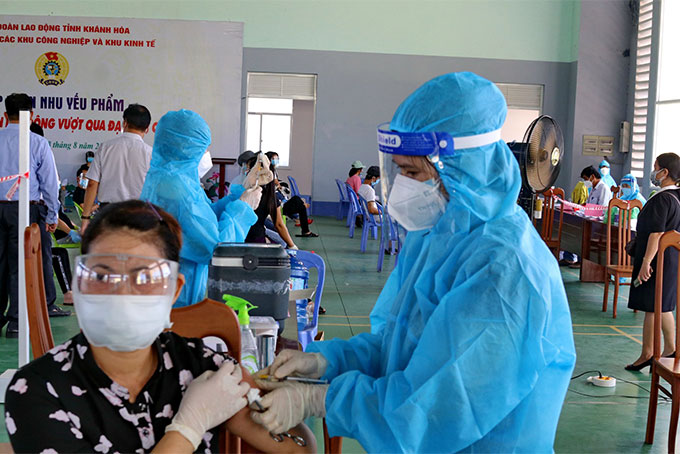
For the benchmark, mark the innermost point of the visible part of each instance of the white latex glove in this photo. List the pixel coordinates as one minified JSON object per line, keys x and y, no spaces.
{"x":252,"y":196}
{"x":289,"y":404}
{"x":293,"y":247}
{"x":260,"y":174}
{"x":209,"y":400}
{"x":295,"y":362}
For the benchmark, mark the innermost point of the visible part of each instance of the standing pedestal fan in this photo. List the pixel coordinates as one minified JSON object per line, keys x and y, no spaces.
{"x":539,"y":156}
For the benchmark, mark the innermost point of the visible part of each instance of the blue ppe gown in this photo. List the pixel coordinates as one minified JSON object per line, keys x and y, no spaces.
{"x":173,"y":184}
{"x":608,"y":179}
{"x":630,"y":180}
{"x":471,"y":346}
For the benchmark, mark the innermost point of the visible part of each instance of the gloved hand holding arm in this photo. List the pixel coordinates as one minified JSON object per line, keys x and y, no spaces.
{"x":297,"y":363}
{"x":288,"y":404}
{"x":209,"y":400}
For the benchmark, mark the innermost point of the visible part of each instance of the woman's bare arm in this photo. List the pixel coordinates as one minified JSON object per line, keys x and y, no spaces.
{"x":259,"y":438}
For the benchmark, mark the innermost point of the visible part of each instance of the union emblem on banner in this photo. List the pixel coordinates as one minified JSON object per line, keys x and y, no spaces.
{"x":51,"y":68}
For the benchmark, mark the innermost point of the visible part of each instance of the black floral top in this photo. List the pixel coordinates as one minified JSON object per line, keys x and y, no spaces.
{"x":63,"y":401}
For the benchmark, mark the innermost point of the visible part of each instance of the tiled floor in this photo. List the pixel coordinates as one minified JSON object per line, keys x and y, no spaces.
{"x":604,"y":420}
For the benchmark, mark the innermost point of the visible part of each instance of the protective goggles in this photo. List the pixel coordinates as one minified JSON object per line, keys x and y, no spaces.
{"x":110,"y":274}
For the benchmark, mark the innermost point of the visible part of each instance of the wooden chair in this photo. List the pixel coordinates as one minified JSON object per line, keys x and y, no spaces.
{"x":623,"y":266}
{"x":36,"y":303}
{"x":666,"y":368}
{"x":210,"y":318}
{"x":616,"y":192}
{"x":549,"y":218}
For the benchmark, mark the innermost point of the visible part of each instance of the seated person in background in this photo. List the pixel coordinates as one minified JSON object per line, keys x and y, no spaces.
{"x":580,"y":193}
{"x":600,"y":193}
{"x":81,"y":180}
{"x":354,"y":179}
{"x":268,"y":207}
{"x":123,"y":384}
{"x":292,"y":206}
{"x":61,"y":262}
{"x":629,"y":191}
{"x":367,"y":190}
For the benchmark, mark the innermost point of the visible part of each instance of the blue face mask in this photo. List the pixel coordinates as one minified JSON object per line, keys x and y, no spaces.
{"x":375,"y":182}
{"x":90,"y":159}
{"x":275,"y":162}
{"x":627,"y":192}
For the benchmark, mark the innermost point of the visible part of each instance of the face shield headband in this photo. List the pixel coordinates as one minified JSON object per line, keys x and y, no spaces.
{"x":429,"y":144}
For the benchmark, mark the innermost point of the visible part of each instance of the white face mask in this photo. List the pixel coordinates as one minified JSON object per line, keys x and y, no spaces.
{"x":122,"y":323}
{"x":604,"y":171}
{"x":205,"y":165}
{"x":416,"y":205}
{"x":589,"y":184}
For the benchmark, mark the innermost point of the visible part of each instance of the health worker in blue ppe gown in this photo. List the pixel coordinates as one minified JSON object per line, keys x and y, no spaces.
{"x":630,"y":190}
{"x":471,"y":345}
{"x":173,"y":183}
{"x":605,"y":171}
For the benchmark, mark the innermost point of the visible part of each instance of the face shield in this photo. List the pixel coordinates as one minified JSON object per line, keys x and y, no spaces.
{"x":410,"y":163}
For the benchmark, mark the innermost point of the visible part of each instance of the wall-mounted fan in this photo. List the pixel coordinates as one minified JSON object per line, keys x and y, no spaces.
{"x":539,"y":156}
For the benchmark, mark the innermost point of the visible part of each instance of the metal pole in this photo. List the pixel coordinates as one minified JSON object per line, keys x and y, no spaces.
{"x":24,"y":199}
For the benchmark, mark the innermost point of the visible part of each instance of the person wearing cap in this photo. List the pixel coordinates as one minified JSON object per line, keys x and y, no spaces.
{"x":471,"y":345}
{"x":605,"y":171}
{"x":367,"y":189}
{"x":242,"y":161}
{"x":354,"y":179}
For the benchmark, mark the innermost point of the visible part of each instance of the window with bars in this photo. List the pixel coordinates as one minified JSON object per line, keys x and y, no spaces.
{"x":641,"y":95}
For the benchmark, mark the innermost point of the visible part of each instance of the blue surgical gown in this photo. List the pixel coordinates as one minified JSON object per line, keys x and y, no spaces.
{"x":173,"y":184}
{"x":471,"y":345}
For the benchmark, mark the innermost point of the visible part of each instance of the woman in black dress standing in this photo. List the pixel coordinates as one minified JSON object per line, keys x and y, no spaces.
{"x":659,"y":215}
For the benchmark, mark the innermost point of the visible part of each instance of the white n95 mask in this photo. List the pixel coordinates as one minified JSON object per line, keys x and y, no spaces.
{"x":604,"y":171}
{"x":416,"y":205}
{"x":589,"y":184}
{"x":122,"y":323}
{"x":205,"y":164}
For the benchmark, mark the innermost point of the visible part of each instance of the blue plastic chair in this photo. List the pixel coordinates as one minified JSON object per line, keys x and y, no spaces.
{"x":389,"y":234}
{"x":354,"y":209}
{"x":293,"y":186}
{"x":343,"y":206}
{"x":370,"y":223}
{"x":307,"y":333}
{"x":295,"y":191}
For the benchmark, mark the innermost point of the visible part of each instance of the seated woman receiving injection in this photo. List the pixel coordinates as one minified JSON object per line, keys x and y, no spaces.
{"x":124,"y":385}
